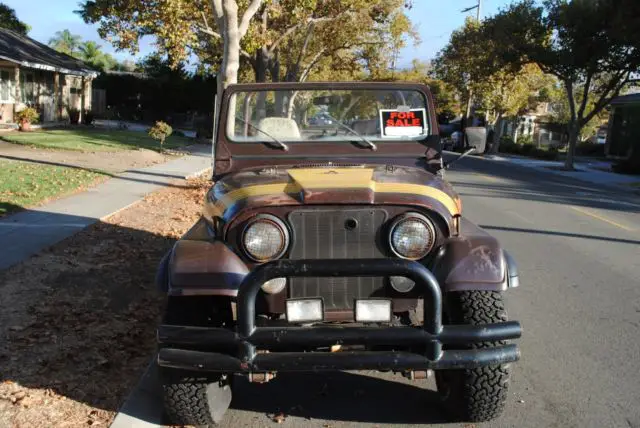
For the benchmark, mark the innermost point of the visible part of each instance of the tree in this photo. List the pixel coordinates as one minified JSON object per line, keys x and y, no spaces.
{"x":506,"y":93}
{"x":561,"y":112}
{"x":177,"y":25}
{"x":468,"y":64}
{"x":447,"y":104}
{"x":592,"y":47}
{"x":9,"y":20}
{"x":65,"y":42}
{"x":91,"y":53}
{"x":278,"y":40}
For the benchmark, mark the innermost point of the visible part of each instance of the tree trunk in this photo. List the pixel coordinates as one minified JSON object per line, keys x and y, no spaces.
{"x":574,"y":131}
{"x":260,"y":69}
{"x":497,"y":131}
{"x":231,"y":50}
{"x":467,"y":113}
{"x":260,"y":65}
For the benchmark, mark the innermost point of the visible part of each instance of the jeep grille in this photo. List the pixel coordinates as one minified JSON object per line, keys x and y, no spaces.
{"x":336,"y":234}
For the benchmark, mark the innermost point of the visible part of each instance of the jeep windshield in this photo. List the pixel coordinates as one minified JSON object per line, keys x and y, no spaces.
{"x":360,"y":116}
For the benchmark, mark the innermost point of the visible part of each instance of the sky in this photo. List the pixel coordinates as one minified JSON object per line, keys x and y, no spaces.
{"x":434,"y":20}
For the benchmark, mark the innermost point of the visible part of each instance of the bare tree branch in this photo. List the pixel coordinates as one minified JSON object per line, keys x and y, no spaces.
{"x":607,"y":96}
{"x":585,"y":95}
{"x":248,"y":15}
{"x":265,"y":15}
{"x":218,"y":13}
{"x":303,"y":50}
{"x":568,"y":84}
{"x":309,"y":21}
{"x":309,"y":67}
{"x":206,"y":29}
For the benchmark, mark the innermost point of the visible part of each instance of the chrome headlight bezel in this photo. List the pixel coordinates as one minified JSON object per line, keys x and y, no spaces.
{"x":277,"y":224}
{"x":417,"y":217}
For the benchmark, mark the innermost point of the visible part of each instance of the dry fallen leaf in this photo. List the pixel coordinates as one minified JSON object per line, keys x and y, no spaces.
{"x":279,"y":418}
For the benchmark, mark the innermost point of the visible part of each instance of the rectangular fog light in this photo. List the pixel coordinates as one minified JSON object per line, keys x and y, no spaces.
{"x":305,"y":310}
{"x":375,"y":310}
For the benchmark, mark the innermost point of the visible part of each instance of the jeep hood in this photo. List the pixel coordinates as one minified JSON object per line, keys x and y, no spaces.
{"x":330,"y":185}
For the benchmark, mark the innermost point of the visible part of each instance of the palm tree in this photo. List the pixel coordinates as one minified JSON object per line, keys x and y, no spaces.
{"x":65,"y":42}
{"x":90,"y":52}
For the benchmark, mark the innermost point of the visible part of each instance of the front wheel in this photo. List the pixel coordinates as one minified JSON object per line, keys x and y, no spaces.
{"x":194,"y":399}
{"x":475,"y":395}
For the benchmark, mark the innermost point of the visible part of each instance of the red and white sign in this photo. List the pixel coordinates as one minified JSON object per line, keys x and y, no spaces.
{"x":398,"y":123}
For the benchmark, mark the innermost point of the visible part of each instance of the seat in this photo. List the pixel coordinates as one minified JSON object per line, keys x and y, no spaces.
{"x":280,"y":127}
{"x":366,"y":127}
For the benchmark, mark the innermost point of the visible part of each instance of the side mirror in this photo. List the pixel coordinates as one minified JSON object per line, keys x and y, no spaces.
{"x":465,"y":153}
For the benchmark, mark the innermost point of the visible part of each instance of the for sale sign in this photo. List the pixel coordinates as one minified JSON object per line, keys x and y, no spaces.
{"x":403,"y":123}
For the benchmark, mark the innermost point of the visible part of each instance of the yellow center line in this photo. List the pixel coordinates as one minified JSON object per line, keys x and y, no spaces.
{"x":487,"y":177}
{"x":601,"y":218}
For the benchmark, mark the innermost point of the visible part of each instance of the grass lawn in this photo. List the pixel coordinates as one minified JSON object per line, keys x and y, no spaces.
{"x":24,"y":184}
{"x":92,"y":140}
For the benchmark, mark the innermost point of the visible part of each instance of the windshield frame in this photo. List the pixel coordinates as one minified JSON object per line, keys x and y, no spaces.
{"x":225,"y":116}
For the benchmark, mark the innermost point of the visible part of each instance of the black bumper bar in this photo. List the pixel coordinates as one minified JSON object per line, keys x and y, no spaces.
{"x":207,"y":349}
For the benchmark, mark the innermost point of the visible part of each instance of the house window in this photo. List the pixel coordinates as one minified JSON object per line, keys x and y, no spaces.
{"x":27,"y":88}
{"x":6,"y":86}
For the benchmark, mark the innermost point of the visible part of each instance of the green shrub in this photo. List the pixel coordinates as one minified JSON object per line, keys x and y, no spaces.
{"x":160,"y":131}
{"x":88,"y":118}
{"x":29,"y":115}
{"x":629,"y":166}
{"x":507,"y":145}
{"x":550,"y":154}
{"x":74,"y":116}
{"x":587,"y":148}
{"x":527,"y":148}
{"x":525,"y":140}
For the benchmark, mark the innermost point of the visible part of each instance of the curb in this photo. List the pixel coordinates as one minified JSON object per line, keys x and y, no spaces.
{"x":628,"y":189}
{"x":143,"y":407}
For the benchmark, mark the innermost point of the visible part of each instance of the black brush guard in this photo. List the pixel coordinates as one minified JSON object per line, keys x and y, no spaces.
{"x":244,"y":350}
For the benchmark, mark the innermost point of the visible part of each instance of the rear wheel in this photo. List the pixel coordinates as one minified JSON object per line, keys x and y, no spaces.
{"x":475,"y":395}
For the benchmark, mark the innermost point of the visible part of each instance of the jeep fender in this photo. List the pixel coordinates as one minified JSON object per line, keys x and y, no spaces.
{"x":195,"y":268}
{"x":474,"y":263}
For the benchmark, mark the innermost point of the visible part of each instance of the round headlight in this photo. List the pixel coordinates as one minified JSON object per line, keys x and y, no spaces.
{"x":266,"y":238}
{"x":412,"y":236}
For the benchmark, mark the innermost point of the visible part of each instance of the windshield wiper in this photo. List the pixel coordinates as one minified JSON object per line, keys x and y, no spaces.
{"x":277,"y":142}
{"x":370,"y":144}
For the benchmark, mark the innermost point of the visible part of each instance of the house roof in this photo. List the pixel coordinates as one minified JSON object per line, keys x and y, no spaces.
{"x":30,"y":53}
{"x":626,"y":99}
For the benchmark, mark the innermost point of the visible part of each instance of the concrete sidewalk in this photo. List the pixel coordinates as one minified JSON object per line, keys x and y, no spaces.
{"x":590,"y":171}
{"x":26,"y":233}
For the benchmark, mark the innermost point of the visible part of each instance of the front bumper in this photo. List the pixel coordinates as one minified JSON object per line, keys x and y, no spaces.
{"x":264,"y":349}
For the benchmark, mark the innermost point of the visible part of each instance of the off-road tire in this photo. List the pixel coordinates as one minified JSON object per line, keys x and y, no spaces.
{"x":475,"y":395}
{"x":187,"y":398}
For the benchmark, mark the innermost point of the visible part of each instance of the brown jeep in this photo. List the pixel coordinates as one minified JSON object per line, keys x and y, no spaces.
{"x":329,"y":241}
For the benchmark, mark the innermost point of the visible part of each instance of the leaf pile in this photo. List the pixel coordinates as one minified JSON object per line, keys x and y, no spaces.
{"x":79,"y":319}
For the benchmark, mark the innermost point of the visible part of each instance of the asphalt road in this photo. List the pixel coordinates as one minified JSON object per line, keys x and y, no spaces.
{"x":578,"y":250}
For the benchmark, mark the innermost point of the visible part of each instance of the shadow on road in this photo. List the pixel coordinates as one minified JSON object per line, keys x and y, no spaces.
{"x":532,"y":185}
{"x":569,"y":235}
{"x":341,"y":396}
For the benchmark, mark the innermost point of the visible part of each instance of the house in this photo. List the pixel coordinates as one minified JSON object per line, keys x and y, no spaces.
{"x":537,"y":124}
{"x":32,"y":74}
{"x":623,"y":136}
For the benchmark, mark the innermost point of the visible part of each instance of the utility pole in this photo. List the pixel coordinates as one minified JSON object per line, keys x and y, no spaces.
{"x":478,"y":8}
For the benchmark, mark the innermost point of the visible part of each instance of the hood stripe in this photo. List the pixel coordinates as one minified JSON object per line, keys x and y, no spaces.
{"x":315,"y":181}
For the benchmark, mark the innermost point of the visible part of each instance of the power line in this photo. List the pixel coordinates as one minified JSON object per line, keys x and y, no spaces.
{"x":478,"y":7}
